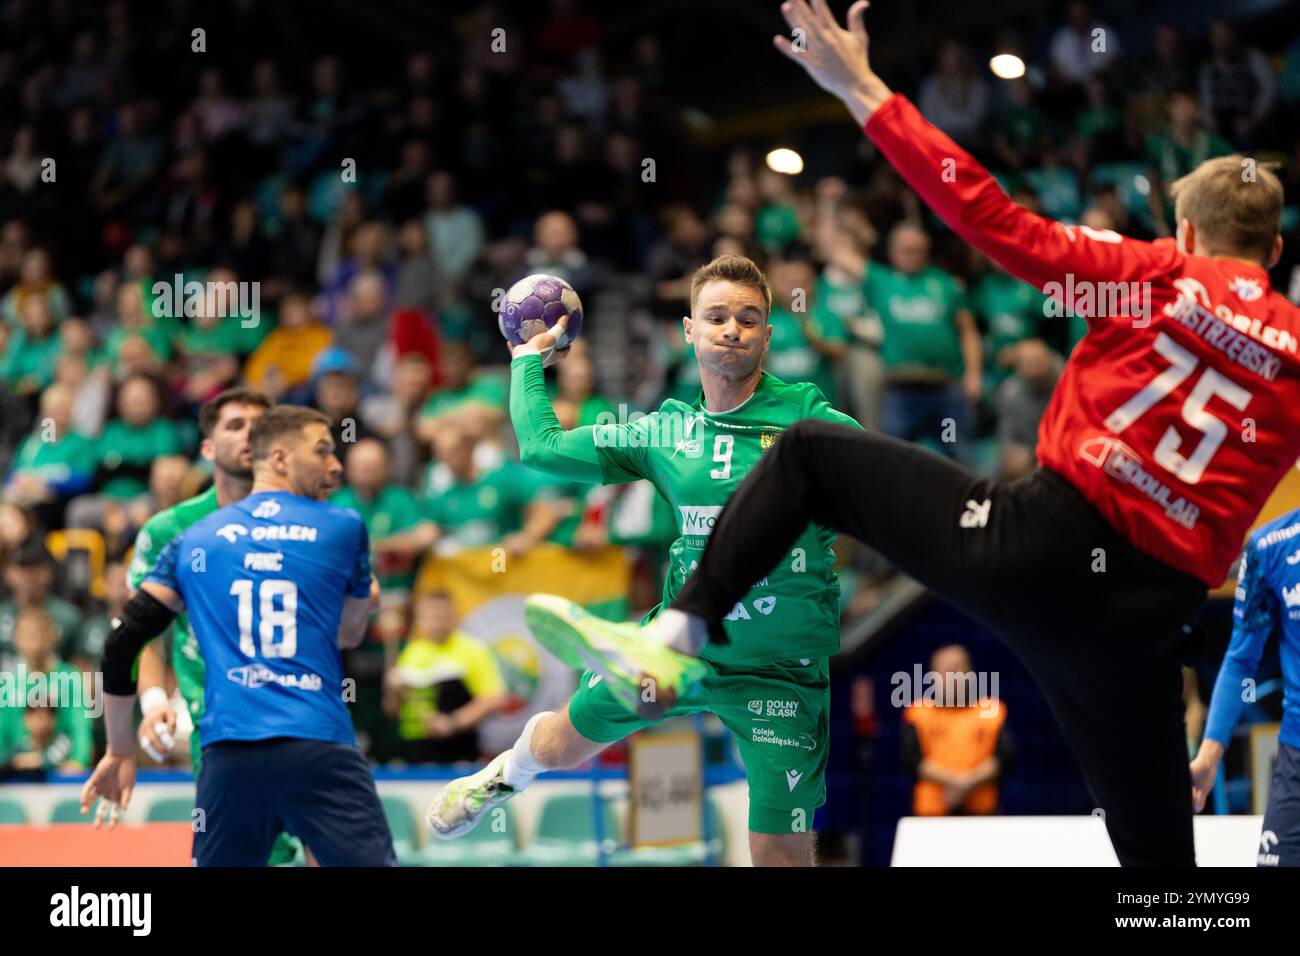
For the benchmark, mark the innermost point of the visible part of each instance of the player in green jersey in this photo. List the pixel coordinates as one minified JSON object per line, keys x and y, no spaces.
{"x":224,"y":422}
{"x":769,"y":684}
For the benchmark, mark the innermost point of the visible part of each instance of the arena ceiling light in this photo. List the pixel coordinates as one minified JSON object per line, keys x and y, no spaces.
{"x":1007,"y":66}
{"x":785,"y":161}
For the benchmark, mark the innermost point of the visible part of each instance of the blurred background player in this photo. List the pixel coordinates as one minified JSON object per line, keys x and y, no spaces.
{"x":445,"y":683}
{"x":781,"y":632}
{"x":276,"y":584}
{"x":1268,"y":594}
{"x":958,"y":747}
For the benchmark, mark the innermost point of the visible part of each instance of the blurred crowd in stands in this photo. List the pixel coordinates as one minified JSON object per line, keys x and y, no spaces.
{"x":376,"y":215}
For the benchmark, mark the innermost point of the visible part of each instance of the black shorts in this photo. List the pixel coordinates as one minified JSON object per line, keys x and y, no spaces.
{"x":1279,"y":838}
{"x":1102,"y":626}
{"x":323,"y":793}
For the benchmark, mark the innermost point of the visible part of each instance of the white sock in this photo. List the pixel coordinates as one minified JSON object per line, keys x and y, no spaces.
{"x":521,"y":766}
{"x":684,"y":633}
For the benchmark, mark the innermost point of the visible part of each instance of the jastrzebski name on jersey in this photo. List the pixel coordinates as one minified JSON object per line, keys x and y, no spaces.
{"x":1230,"y":333}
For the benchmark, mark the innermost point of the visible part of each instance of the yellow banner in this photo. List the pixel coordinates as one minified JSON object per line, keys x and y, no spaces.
{"x":476,"y":575}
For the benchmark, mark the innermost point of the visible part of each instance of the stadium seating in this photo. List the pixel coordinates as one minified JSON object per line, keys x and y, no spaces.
{"x":401,"y":822}
{"x":11,"y":811}
{"x":566,"y":832}
{"x":171,"y":810}
{"x":69,"y":811}
{"x":485,"y":845}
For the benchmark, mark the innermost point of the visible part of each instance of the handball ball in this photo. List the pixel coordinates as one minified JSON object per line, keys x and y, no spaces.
{"x":534,"y":304}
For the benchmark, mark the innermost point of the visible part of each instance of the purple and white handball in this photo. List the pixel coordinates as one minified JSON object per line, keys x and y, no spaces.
{"x":534,"y":304}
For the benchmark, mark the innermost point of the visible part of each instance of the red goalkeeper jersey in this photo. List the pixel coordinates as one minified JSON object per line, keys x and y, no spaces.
{"x":1179,"y":411}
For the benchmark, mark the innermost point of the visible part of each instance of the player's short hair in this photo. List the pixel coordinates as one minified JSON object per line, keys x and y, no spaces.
{"x":739,"y":269}
{"x":1234,"y":202}
{"x":280,"y":421}
{"x":210,"y":411}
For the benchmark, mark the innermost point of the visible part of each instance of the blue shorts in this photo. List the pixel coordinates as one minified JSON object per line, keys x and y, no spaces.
{"x":1279,"y":839}
{"x":323,"y":793}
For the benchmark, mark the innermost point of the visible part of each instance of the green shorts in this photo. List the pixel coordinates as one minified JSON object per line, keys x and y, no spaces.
{"x":779,"y":714}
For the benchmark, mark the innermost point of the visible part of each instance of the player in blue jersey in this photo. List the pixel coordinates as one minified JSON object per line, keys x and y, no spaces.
{"x":274,"y":585}
{"x":1268,"y":600}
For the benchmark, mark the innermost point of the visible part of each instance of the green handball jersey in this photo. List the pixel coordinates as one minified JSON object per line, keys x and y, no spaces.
{"x":696,"y":459}
{"x":157,"y":532}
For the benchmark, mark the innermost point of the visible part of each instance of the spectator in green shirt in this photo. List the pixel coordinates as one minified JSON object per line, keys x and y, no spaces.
{"x":776,"y":224}
{"x":209,"y":352}
{"x":135,"y":321}
{"x":35,"y":280}
{"x":475,"y":401}
{"x":29,"y":576}
{"x":1024,"y":132}
{"x":841,"y":290}
{"x":932,"y":349}
{"x":54,"y":462}
{"x":28,"y":362}
{"x":1176,"y":151}
{"x":126,"y":451}
{"x":808,"y":339}
{"x":477,"y":507}
{"x":53,"y":689}
{"x":1012,"y":311}
{"x":399,"y":530}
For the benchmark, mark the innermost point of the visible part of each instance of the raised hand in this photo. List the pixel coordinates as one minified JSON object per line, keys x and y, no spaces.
{"x":544,"y":343}
{"x":835,"y":57}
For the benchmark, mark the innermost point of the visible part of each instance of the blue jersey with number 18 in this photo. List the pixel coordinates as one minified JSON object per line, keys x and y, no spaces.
{"x":264,"y":581}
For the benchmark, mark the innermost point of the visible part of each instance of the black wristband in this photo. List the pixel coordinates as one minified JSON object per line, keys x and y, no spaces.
{"x":143,"y":618}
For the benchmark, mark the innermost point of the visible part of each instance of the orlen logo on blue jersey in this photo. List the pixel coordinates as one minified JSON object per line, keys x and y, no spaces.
{"x":231,"y":532}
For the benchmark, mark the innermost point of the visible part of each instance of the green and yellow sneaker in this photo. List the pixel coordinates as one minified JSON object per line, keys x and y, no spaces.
{"x":460,"y":805}
{"x":645,"y":675}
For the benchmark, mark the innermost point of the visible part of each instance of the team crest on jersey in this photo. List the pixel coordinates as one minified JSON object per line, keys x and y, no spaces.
{"x":766,"y":439}
{"x":1247,"y":290}
{"x":267,"y":509}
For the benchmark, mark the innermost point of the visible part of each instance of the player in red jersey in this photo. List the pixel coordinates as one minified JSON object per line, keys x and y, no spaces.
{"x":1173,"y":421}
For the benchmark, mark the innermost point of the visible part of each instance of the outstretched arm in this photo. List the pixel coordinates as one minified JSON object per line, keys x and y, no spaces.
{"x":956,"y":187}
{"x":600,"y":454}
{"x":1254,"y":616}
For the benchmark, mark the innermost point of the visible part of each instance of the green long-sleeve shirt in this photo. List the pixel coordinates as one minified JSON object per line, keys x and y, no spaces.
{"x":696,"y":459}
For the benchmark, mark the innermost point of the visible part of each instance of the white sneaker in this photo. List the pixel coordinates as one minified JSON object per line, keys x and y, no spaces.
{"x":457,"y":807}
